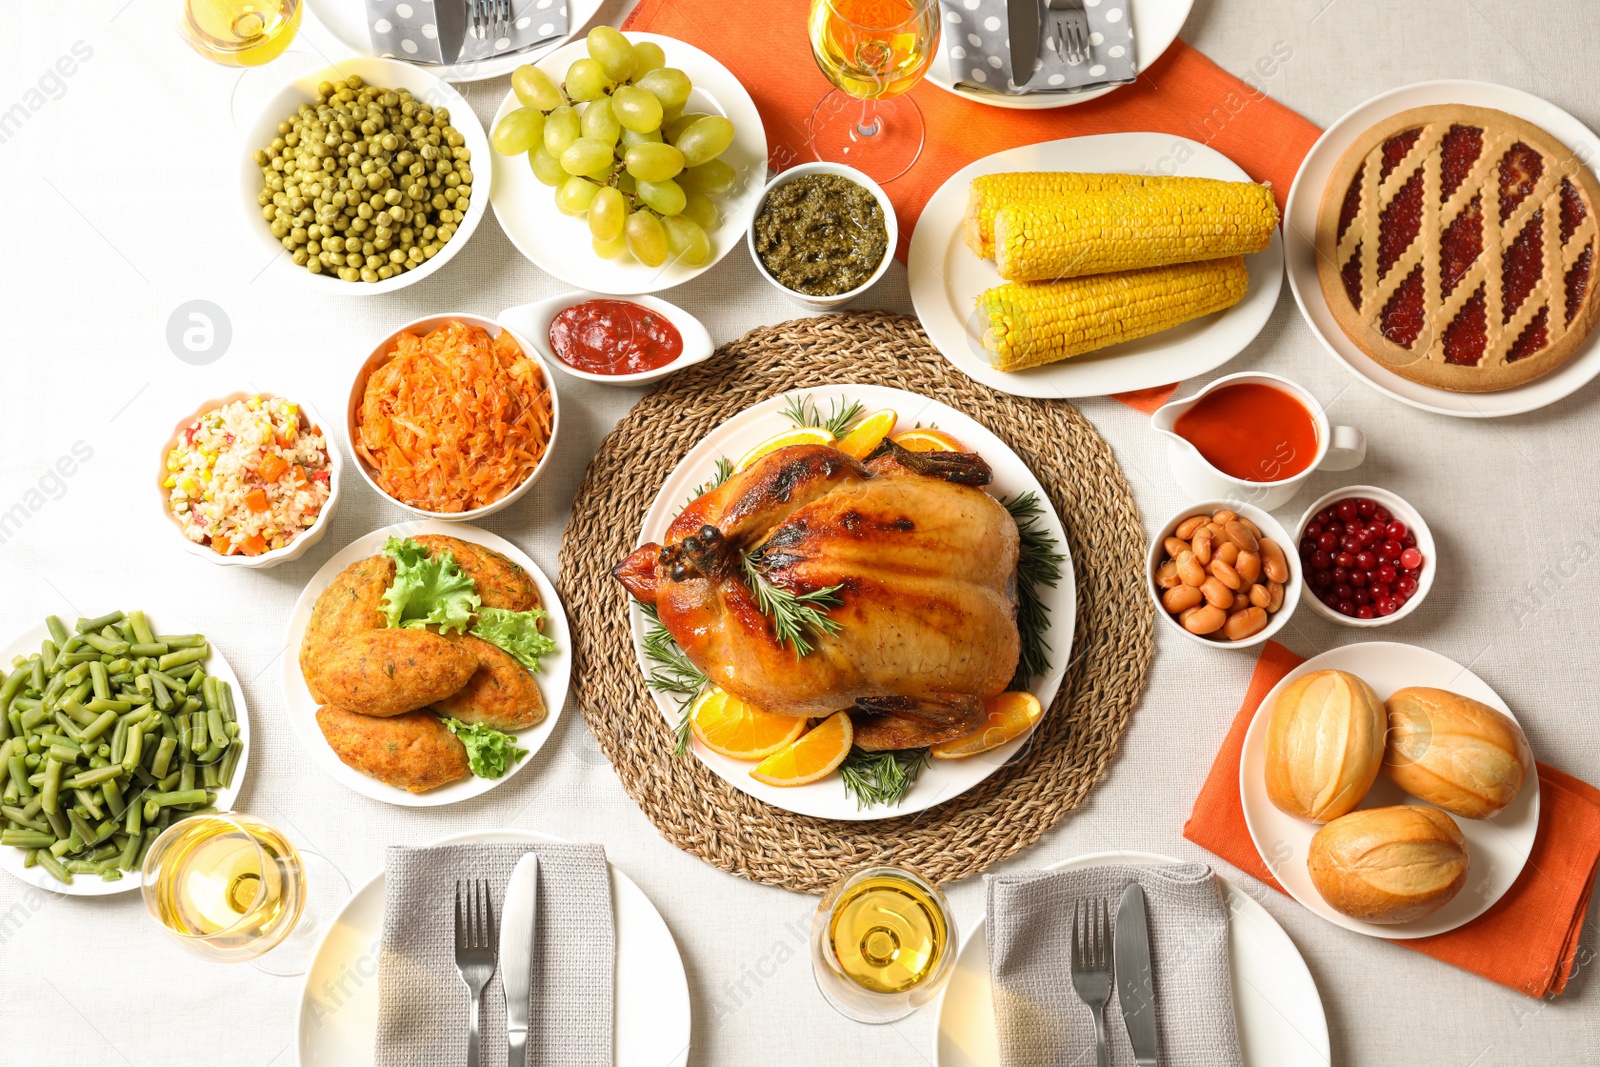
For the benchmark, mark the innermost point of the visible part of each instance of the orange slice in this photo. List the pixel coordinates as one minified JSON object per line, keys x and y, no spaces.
{"x":815,"y":756}
{"x":800,"y":435}
{"x":868,"y":434}
{"x":927,"y":439}
{"x":1010,"y":715}
{"x":728,"y":725}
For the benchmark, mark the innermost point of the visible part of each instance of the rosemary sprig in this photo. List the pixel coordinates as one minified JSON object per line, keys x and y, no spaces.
{"x":1038,"y":563}
{"x":796,"y":617}
{"x":803,"y":411}
{"x":881,"y":777}
{"x":673,"y":673}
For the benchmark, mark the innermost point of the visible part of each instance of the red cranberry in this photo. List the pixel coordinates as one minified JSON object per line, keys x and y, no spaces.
{"x":1381,"y":590}
{"x":1313,"y":528}
{"x":1325,"y":516}
{"x":1346,"y":509}
{"x":1358,"y":578}
{"x":1406,"y":587}
{"x":1341,"y":574}
{"x":1366,"y":560}
{"x":1366,"y":506}
{"x":1411,"y":559}
{"x":1308,"y":545}
{"x":1409,"y":540}
{"x":1344,"y":559}
{"x":1388,"y":606}
{"x":1321,"y":560}
{"x":1386,"y":572}
{"x":1321,"y":579}
{"x":1328,"y":541}
{"x":1329,"y":597}
{"x":1365,"y":612}
{"x":1391,"y":550}
{"x":1396,"y":530}
{"x":1346,"y":607}
{"x":1381,"y":513}
{"x":1343,"y":590}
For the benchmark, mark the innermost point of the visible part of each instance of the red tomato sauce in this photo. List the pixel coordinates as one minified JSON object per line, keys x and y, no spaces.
{"x":614,"y":337}
{"x":1252,"y":432}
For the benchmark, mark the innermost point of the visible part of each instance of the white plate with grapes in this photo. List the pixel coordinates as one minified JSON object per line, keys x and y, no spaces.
{"x":866,"y":786}
{"x":608,"y":230}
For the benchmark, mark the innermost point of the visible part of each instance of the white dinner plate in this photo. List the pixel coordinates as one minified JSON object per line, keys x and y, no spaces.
{"x":347,"y":20}
{"x":946,"y":278}
{"x":1155,"y":26}
{"x":1300,"y":225}
{"x":551,"y":678}
{"x":89,"y":885}
{"x":1497,"y":847}
{"x":941,"y":779}
{"x":337,"y":1020}
{"x":1275,"y":1003}
{"x":560,"y":244}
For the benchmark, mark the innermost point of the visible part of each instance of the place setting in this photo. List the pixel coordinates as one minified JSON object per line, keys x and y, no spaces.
{"x":856,"y":605}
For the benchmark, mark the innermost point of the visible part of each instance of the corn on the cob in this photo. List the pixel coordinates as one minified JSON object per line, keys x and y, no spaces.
{"x":1082,"y":233}
{"x":1041,"y":322}
{"x":988,"y":193}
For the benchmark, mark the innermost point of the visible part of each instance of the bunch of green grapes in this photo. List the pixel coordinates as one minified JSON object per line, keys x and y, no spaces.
{"x":615,"y":142}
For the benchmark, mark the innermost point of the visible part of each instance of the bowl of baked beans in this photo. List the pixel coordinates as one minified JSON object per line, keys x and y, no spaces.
{"x":1223,"y":572}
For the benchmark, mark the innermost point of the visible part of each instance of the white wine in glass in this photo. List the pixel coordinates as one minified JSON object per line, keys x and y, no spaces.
{"x":239,"y":33}
{"x":883,"y":944}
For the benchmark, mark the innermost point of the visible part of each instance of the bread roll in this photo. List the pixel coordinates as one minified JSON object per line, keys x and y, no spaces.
{"x":1389,"y":865}
{"x":1324,"y":745}
{"x":1455,"y":752}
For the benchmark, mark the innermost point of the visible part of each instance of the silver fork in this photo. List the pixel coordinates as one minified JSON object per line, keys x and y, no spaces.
{"x":1091,"y":965}
{"x":475,"y":951}
{"x":489,"y":18}
{"x":1070,"y":29}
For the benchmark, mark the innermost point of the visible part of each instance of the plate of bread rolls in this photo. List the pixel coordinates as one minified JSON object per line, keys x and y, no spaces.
{"x":1389,"y":789}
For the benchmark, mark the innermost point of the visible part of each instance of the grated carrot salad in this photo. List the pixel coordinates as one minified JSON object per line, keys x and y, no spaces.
{"x":455,"y":419}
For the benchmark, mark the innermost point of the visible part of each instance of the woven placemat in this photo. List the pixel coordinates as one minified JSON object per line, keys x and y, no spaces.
{"x":700,"y":813}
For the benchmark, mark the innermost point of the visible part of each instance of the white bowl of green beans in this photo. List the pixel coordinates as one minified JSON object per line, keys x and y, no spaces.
{"x":110,"y":731}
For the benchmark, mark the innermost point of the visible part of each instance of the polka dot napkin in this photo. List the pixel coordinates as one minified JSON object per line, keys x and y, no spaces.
{"x":977,"y":40}
{"x":423,"y":31}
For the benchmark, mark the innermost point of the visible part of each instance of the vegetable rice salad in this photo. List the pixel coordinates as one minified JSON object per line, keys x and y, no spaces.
{"x":248,"y":477}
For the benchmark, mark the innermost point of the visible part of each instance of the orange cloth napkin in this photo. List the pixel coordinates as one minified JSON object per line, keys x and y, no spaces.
{"x":1528,"y":940}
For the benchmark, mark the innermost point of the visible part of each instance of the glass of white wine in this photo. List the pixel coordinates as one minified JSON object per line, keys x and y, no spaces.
{"x":238,"y":33}
{"x":883,"y":944}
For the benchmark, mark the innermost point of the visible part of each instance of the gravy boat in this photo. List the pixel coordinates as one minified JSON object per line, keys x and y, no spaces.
{"x":1339,"y":448}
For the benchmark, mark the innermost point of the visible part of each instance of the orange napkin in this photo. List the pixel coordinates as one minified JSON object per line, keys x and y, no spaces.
{"x":1527,"y":941}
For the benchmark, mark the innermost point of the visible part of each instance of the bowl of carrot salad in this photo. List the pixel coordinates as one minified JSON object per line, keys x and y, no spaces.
{"x":453,"y":417}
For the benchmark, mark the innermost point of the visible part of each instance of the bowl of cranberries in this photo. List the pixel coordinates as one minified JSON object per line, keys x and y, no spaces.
{"x":1367,"y":555}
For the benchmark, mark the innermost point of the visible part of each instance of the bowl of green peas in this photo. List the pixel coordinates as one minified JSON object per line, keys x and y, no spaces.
{"x":111,"y":730}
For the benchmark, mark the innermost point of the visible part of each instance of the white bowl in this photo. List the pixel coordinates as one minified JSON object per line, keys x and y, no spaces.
{"x":533,"y":322}
{"x":305,"y":538}
{"x":1269,"y":527}
{"x":390,"y":74}
{"x":827,"y":303}
{"x":1401,"y":510}
{"x":380,"y":355}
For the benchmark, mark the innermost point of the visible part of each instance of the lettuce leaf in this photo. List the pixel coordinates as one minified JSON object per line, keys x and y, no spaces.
{"x":427,"y":590}
{"x":515,"y":631}
{"x":490,"y":752}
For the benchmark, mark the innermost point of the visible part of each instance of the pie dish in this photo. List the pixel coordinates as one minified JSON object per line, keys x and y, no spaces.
{"x":1479,"y":271}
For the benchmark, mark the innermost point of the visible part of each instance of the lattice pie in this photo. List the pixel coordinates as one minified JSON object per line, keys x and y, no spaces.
{"x":1457,"y":246}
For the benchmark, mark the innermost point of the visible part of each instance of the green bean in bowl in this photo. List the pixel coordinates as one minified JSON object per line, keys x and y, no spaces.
{"x":110,"y":733}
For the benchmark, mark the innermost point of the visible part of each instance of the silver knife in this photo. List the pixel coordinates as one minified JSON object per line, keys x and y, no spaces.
{"x":1023,"y":15}
{"x":518,"y":939}
{"x":1136,"y":990}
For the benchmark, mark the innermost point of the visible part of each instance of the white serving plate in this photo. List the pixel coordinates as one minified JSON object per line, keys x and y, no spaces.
{"x":941,"y":779}
{"x":90,"y":885}
{"x":1498,"y":847}
{"x":1300,"y":226}
{"x":336,"y":1023}
{"x":1155,"y":26}
{"x":552,"y":678}
{"x":1275,"y":1003}
{"x":560,"y":244}
{"x":347,"y":20}
{"x":945,"y":277}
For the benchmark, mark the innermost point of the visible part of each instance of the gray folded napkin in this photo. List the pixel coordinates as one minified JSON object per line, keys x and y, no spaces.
{"x":424,"y":31}
{"x":422,"y":1002}
{"x":977,"y":38}
{"x":1041,"y":1021}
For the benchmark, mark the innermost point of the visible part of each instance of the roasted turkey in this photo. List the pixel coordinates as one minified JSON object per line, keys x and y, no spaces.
{"x":925,"y":563}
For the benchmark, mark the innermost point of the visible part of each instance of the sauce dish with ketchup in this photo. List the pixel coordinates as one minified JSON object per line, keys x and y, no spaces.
{"x":612,"y":340}
{"x":1253,"y":437}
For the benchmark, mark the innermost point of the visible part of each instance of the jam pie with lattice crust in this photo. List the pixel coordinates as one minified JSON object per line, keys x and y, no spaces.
{"x":1456,"y":246}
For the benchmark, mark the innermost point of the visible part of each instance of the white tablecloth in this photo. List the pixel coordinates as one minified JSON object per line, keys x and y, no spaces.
{"x":118,"y":162}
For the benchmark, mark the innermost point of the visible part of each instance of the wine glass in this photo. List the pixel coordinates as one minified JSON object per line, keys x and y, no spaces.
{"x":873,"y":51}
{"x":239,"y":33}
{"x":883,"y":944}
{"x":231,"y":887}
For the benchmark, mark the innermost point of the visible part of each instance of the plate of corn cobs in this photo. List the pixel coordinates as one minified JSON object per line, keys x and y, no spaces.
{"x":1096,"y":265}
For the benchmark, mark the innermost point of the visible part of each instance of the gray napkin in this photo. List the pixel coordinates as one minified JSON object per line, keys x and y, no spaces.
{"x":424,"y":31}
{"x":422,"y":1002}
{"x":1041,"y":1021}
{"x":977,"y":39}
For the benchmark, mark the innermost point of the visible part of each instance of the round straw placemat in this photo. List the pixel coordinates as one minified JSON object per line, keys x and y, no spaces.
{"x":702,"y":814}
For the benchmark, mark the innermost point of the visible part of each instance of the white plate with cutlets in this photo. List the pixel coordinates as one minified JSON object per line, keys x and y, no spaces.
{"x":551,"y":678}
{"x":940,"y":780}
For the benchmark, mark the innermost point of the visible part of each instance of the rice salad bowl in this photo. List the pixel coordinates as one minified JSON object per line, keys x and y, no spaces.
{"x":250,"y":479}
